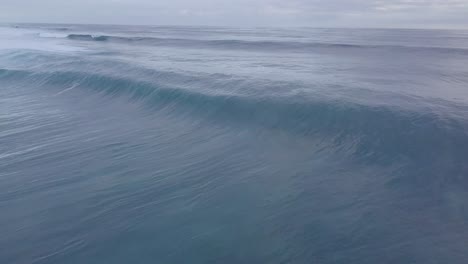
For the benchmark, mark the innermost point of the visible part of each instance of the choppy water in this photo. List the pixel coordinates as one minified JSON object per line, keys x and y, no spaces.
{"x":216,"y":145}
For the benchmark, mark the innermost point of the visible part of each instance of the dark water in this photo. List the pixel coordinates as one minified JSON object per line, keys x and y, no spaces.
{"x":217,"y":145}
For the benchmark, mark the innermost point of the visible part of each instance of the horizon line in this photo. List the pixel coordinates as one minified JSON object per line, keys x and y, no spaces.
{"x":232,"y":26}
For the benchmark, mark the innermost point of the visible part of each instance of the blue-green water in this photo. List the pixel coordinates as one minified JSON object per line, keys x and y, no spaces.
{"x":127,"y":144}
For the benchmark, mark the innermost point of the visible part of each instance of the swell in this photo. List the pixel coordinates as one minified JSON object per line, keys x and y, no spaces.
{"x":367,"y":132}
{"x":254,"y":45}
{"x":87,"y":37}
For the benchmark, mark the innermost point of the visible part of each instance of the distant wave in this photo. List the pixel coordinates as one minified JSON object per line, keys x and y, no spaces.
{"x":294,"y":46}
{"x":374,"y":132}
{"x":87,"y":37}
{"x":61,"y":28}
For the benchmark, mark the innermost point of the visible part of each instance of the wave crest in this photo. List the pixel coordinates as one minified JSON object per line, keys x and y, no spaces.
{"x":259,"y":45}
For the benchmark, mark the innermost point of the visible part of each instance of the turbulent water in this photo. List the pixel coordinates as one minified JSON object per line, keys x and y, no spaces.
{"x":124,"y":144}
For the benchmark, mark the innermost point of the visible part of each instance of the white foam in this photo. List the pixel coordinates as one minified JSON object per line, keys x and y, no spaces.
{"x":20,"y":38}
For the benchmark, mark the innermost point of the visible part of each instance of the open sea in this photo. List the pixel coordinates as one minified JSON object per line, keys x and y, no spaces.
{"x":139,"y":144}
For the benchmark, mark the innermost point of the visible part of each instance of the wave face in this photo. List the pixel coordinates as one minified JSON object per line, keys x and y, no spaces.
{"x":226,"y":145}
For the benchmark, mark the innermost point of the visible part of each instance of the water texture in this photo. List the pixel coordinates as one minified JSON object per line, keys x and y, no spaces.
{"x":134,"y":144}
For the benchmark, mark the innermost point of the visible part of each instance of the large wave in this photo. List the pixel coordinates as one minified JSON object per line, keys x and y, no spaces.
{"x":376,"y":132}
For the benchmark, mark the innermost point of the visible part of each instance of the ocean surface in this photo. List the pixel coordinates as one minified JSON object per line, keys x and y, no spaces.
{"x":126,"y":144}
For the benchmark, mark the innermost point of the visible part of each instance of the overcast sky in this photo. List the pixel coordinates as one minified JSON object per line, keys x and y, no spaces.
{"x":315,"y":13}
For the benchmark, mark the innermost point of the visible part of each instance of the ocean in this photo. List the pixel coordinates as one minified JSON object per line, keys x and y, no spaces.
{"x":165,"y":144}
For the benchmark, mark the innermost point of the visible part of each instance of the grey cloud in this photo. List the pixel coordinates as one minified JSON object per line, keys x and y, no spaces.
{"x":334,"y":13}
